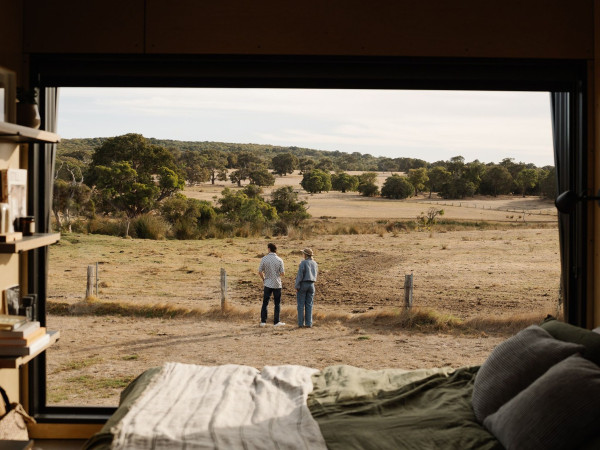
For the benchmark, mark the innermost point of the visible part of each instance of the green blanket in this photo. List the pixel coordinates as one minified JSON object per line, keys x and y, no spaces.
{"x":364,"y":409}
{"x":374,"y":409}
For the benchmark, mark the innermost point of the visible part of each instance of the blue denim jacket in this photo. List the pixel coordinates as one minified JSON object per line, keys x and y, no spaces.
{"x":307,"y":271}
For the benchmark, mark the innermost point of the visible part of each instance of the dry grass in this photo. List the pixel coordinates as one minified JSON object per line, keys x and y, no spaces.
{"x":388,"y":319}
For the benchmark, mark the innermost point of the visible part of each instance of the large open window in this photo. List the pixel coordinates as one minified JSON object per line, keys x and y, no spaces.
{"x":564,"y":79}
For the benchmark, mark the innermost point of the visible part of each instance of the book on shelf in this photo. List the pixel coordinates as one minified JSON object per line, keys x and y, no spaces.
{"x":22,"y":341}
{"x":23,"y":331}
{"x":31,"y":349}
{"x":13,"y":190}
{"x":10,"y":322}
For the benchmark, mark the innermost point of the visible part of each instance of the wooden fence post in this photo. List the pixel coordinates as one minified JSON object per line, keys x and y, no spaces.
{"x":223,"y":288}
{"x":96,"y":278}
{"x":408,"y":291}
{"x":89,"y":291}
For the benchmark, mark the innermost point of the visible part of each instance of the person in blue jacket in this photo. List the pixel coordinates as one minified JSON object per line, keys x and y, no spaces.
{"x":305,"y":288}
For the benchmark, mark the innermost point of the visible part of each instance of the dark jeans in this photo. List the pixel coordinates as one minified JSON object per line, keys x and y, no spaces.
{"x":265,"y":305}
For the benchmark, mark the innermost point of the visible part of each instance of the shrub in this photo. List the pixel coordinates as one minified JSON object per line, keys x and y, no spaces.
{"x":316,"y":180}
{"x":107,"y":226}
{"x":368,"y":189}
{"x":149,"y":226}
{"x":397,"y":187}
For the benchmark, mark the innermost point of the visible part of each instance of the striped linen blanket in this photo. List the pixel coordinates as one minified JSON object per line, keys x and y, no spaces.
{"x":229,"y":406}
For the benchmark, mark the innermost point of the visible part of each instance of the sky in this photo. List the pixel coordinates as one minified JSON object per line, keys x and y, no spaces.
{"x":429,"y":125}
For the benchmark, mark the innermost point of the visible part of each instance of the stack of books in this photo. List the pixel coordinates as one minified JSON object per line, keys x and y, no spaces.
{"x":21,"y":337}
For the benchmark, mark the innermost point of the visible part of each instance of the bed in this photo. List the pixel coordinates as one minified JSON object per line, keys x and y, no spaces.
{"x":538,"y":389}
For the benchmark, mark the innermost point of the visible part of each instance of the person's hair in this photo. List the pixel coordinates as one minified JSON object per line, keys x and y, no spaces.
{"x":272,"y":247}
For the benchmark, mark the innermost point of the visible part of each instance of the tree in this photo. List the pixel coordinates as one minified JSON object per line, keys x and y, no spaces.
{"x":387,"y":165}
{"x":238,"y":208}
{"x":144,"y":158}
{"x":69,"y":200}
{"x":169,"y":182}
{"x":289,"y":208}
{"x":261,"y":177}
{"x":367,"y":184}
{"x":397,"y":187}
{"x":418,"y":178}
{"x":252,"y":191}
{"x":215,"y":163}
{"x":474,"y":172}
{"x":368,"y":190}
{"x":245,"y":163}
{"x":70,"y":196}
{"x":193,"y":165}
{"x":438,"y":176}
{"x":237,"y":176}
{"x":547,"y":182}
{"x":119,"y":190}
{"x":325,"y":164}
{"x":188,"y":216}
{"x":344,"y":182}
{"x":456,"y":165}
{"x":284,"y":163}
{"x":526,"y":179}
{"x":131,"y":176}
{"x":306,"y":165}
{"x":316,"y":181}
{"x":459,"y":187}
{"x":496,"y":181}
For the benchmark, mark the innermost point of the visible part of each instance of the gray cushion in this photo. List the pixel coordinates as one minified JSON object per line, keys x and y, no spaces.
{"x":515,"y":364}
{"x":570,"y":333}
{"x":559,"y":410}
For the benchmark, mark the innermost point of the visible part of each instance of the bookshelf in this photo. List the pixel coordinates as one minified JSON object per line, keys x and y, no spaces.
{"x":29,"y":242}
{"x":13,"y":362}
{"x":17,"y":134}
{"x":15,"y":255}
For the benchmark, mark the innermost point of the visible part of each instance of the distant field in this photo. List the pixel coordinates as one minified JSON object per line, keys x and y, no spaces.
{"x":353,"y":205}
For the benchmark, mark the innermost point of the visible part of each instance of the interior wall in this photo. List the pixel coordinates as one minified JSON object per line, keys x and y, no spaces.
{"x":11,"y":35}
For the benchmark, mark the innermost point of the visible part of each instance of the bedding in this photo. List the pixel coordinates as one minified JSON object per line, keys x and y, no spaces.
{"x":185,"y":406}
{"x":547,"y":378}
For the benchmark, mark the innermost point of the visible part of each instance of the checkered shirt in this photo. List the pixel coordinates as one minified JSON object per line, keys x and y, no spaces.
{"x":272,"y":266}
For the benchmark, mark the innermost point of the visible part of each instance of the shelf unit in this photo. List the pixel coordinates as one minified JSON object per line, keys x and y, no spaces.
{"x":9,"y":132}
{"x":29,"y":242}
{"x":18,"y":134}
{"x":11,"y":137}
{"x":13,"y":362}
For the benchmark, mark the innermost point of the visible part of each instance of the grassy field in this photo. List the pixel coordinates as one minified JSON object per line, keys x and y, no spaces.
{"x":474,"y":284}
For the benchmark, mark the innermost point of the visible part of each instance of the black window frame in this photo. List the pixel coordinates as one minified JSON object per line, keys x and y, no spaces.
{"x":566,"y":80}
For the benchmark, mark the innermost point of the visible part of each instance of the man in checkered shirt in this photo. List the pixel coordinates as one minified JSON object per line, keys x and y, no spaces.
{"x":270,"y":271}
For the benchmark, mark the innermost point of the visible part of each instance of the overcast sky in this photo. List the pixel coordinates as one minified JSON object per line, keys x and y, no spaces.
{"x":430,"y":125}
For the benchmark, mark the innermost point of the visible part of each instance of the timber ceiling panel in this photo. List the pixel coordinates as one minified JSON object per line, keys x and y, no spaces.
{"x":466,"y":28}
{"x":82,"y":26}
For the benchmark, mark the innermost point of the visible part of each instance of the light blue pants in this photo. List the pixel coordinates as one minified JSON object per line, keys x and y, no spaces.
{"x":304,"y":299}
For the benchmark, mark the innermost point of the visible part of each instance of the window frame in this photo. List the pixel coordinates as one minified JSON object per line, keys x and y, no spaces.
{"x":565,"y":77}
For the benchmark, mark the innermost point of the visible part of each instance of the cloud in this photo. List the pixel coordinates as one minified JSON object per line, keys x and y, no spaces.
{"x":380,"y":122}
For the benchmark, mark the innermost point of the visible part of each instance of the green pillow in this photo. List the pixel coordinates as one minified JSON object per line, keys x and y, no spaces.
{"x":515,"y":364}
{"x":558,"y":411}
{"x":570,"y":333}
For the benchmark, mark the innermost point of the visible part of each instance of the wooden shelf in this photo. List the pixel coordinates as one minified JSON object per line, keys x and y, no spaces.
{"x":9,"y":132}
{"x":13,"y":362}
{"x":29,"y":242}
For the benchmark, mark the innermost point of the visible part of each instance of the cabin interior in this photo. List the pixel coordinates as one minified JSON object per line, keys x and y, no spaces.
{"x":548,"y":45}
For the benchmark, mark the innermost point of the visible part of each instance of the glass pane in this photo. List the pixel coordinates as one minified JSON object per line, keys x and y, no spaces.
{"x":153,"y":201}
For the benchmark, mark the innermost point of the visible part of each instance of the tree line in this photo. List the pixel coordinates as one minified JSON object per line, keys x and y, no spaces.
{"x":452,"y":179}
{"x":140,"y":180}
